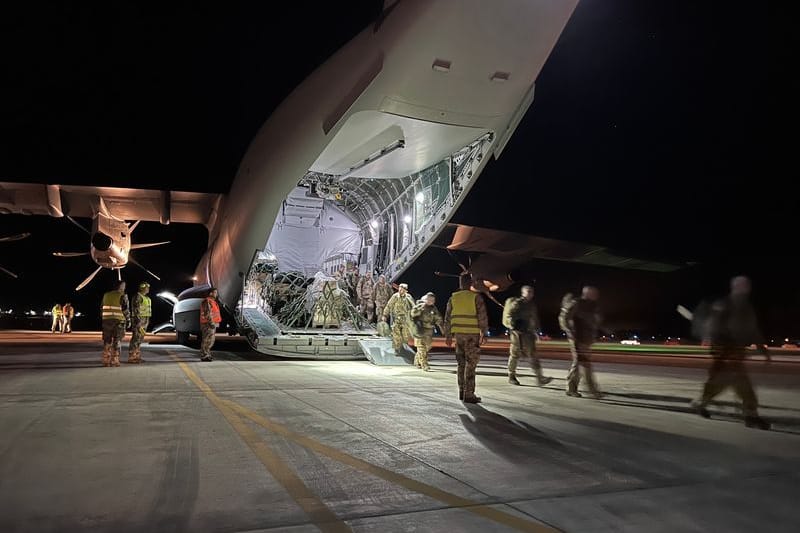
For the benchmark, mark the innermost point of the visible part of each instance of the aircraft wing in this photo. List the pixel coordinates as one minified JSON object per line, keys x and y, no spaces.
{"x":507,"y":250}
{"x":122,"y":203}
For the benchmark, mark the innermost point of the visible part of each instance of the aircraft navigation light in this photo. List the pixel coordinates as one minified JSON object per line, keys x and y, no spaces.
{"x":194,"y":278}
{"x":420,"y":197}
{"x":407,"y":219}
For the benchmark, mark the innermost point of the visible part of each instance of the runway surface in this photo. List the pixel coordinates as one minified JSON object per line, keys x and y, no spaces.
{"x":248,"y":444}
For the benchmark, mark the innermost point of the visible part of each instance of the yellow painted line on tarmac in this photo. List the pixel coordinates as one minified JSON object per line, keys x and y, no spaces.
{"x":320,"y":514}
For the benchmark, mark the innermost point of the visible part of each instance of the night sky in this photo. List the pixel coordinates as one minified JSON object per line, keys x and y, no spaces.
{"x":660,"y":128}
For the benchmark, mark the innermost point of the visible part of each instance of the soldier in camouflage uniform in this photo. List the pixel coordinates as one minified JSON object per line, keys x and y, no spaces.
{"x":382,"y":293}
{"x":141,"y":311}
{"x":398,"y":307}
{"x":582,"y":321}
{"x":521,"y":318}
{"x":116,"y":318}
{"x":732,"y":329}
{"x":466,"y":319}
{"x":365,"y":291}
{"x":426,"y":316}
{"x":210,"y":319}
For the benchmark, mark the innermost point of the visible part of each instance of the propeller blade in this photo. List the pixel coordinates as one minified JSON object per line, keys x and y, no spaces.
{"x":77,"y":224}
{"x":69,"y":254}
{"x":12,"y":238}
{"x":9,"y":273}
{"x":685,"y":313}
{"x":135,"y":262}
{"x":147,"y":245}
{"x":133,"y":226}
{"x":89,"y":279}
{"x":446,"y":275}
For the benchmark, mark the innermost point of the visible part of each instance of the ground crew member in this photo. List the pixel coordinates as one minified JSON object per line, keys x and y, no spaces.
{"x":732,"y":328}
{"x":67,"y":313}
{"x":398,"y":307}
{"x":141,"y":311}
{"x":116,"y":317}
{"x":365,"y":291}
{"x":426,"y":316}
{"x":521,"y":318}
{"x":465,"y":318}
{"x":582,"y":321}
{"x":210,"y":319}
{"x":383,"y":292}
{"x":57,"y":312}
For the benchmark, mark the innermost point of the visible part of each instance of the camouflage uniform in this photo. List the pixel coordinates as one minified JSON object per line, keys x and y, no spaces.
{"x":398,"y":307}
{"x":365,"y":291}
{"x":139,"y":324}
{"x":114,"y":332}
{"x":68,"y":314}
{"x":468,"y":352}
{"x":382,"y":294}
{"x":426,"y":316}
{"x":522,"y":320}
{"x":733,"y":327}
{"x":582,"y":321}
{"x":208,"y":330}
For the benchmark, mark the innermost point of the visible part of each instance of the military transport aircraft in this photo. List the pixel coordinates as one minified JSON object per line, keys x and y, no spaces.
{"x":363,"y":163}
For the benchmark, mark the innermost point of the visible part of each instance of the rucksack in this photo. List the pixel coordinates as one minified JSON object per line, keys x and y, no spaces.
{"x":567,"y":302}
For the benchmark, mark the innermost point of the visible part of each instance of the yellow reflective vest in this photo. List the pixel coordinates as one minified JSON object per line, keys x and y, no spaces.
{"x":145,"y":309}
{"x":112,"y":306}
{"x":464,"y":314}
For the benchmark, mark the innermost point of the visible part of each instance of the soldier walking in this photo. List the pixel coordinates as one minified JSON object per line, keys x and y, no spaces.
{"x":383,"y":291}
{"x":426,"y":316}
{"x":68,"y":313}
{"x":581,"y":321}
{"x":141,"y":312}
{"x":466,"y":319}
{"x":365,"y":291}
{"x":116,"y":318}
{"x":732,"y":328}
{"x":57,"y":312}
{"x":521,"y":318}
{"x":398,"y":307}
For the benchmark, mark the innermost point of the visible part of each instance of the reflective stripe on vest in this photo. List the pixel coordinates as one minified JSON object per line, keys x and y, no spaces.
{"x":145,"y":309}
{"x":112,"y":308}
{"x":215,"y":316}
{"x":464,"y":314}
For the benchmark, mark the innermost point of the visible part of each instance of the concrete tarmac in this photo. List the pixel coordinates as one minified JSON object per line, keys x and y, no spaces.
{"x":241,"y":444}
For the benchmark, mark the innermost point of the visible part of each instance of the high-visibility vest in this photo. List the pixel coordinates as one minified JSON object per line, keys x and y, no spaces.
{"x":145,"y":309}
{"x":57,"y":312}
{"x":464,"y":313}
{"x":215,"y":316}
{"x":112,"y":307}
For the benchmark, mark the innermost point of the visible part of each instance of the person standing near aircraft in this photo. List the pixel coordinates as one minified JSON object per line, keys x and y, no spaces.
{"x":582,"y":321}
{"x":68,"y":313}
{"x":210,"y":319}
{"x":466,"y":319}
{"x":521,"y":318}
{"x":383,"y":292}
{"x":732,"y":328}
{"x":116,"y":318}
{"x":398,"y":307}
{"x":57,"y":312}
{"x":426,"y":316}
{"x":365,"y":292}
{"x":141,"y":311}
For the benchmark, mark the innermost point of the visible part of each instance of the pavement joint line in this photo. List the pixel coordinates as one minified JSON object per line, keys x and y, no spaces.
{"x":448,"y":498}
{"x":319,"y":513}
{"x":229,"y":407}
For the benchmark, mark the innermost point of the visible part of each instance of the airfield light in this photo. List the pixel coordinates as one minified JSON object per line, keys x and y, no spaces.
{"x":194,"y":278}
{"x":374,"y":224}
{"x":407,"y":219}
{"x":786,"y":339}
{"x":32,"y":312}
{"x":78,"y":314}
{"x":420,"y":197}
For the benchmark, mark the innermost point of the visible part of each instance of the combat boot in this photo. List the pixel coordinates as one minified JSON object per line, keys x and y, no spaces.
{"x":472,"y":399}
{"x":700,"y":409}
{"x":512,"y":378}
{"x":574,"y":394}
{"x":756,"y":422}
{"x":106,"y":357}
{"x":544,"y":380}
